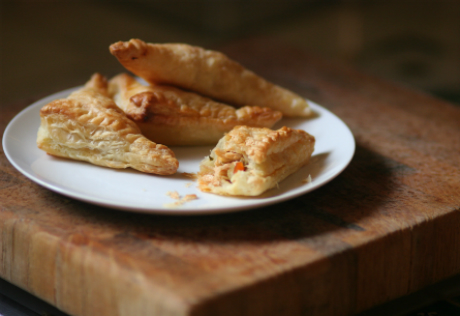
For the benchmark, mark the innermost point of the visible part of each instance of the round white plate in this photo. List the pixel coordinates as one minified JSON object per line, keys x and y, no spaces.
{"x":130,"y":190}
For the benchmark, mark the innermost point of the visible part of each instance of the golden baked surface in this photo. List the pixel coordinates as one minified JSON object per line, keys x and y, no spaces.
{"x":249,"y":161}
{"x":209,"y":73}
{"x":171,"y":116}
{"x":89,"y":126}
{"x":194,"y":96}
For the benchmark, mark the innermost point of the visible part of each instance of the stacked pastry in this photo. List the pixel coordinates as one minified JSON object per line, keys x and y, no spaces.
{"x":192,"y":97}
{"x":172,"y":116}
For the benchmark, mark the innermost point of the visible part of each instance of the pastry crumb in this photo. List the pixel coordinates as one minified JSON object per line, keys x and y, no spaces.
{"x":188,"y":185}
{"x":180,"y":201}
{"x":190,"y":197}
{"x":173,"y":195}
{"x":308,"y":179}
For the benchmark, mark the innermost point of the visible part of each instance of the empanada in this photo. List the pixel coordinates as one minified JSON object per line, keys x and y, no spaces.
{"x":248,"y":161}
{"x":88,"y":126}
{"x":209,"y":73}
{"x":171,"y":116}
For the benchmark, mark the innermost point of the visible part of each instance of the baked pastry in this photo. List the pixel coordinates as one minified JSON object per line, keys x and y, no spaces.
{"x":249,"y":161}
{"x":171,"y":116}
{"x":209,"y":73}
{"x":88,"y":126}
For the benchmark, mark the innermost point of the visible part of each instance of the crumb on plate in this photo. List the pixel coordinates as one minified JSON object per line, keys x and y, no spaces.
{"x":173,"y":195}
{"x":180,"y":201}
{"x":308,"y":179}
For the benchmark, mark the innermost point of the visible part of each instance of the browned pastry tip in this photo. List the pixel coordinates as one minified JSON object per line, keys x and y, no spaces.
{"x":99,"y":83}
{"x":130,"y":50}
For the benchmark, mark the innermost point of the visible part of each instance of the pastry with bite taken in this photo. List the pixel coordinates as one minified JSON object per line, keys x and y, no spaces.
{"x":249,"y":161}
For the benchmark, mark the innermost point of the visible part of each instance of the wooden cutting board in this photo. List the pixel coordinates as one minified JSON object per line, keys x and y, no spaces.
{"x":386,"y":227}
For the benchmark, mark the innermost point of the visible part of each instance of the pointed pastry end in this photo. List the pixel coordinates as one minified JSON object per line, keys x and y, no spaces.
{"x":98,"y":82}
{"x":131,"y":50}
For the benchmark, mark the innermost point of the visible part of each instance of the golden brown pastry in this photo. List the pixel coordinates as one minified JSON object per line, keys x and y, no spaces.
{"x":89,"y":126}
{"x":209,"y":73}
{"x":171,"y":116}
{"x":248,"y":161}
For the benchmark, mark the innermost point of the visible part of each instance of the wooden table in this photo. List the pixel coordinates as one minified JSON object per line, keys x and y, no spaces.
{"x":386,"y":227}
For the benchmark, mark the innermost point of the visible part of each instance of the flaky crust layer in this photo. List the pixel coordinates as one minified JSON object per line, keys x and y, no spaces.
{"x":171,"y":116}
{"x":209,"y":73}
{"x":88,"y":126}
{"x":249,"y":161}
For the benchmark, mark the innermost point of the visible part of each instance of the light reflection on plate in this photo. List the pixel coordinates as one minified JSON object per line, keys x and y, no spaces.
{"x":130,"y":190}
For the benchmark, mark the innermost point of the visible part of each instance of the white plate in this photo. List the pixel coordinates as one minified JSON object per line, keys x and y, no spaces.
{"x":130,"y":190}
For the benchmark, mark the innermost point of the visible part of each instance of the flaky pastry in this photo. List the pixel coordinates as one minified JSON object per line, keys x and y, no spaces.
{"x":209,"y":73}
{"x":171,"y":116}
{"x":88,"y":126}
{"x":249,"y":161}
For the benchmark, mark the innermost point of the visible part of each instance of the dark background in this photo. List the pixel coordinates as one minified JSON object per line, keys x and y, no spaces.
{"x":47,"y":46}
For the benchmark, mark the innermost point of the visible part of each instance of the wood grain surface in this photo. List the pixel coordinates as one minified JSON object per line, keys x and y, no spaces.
{"x":386,"y":227}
